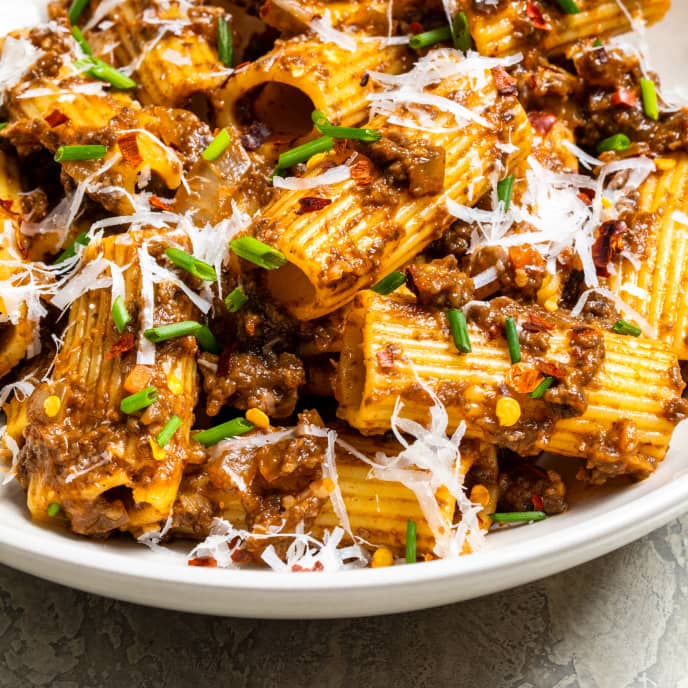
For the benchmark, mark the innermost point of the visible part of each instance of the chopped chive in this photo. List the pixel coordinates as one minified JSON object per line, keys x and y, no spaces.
{"x":390,"y":283}
{"x":597,"y":43}
{"x":81,"y":40}
{"x":569,"y":6}
{"x":624,"y":327}
{"x":102,"y":70}
{"x":461,"y":35}
{"x":459,"y":330}
{"x":166,"y":434}
{"x":196,"y":267}
{"x":217,"y":146}
{"x":428,"y":38}
{"x":82,"y":239}
{"x":304,"y":152}
{"x":232,"y":428}
{"x":517,"y":516}
{"x":540,"y":390}
{"x":235,"y":300}
{"x":53,"y":509}
{"x":120,"y":314}
{"x":4,"y":125}
{"x":139,"y":401}
{"x":225,"y":42}
{"x":323,"y":125}
{"x":505,"y":188}
{"x":77,"y":7}
{"x":618,"y":142}
{"x":69,"y":153}
{"x":512,"y":340}
{"x":258,"y":253}
{"x":649,"y":93}
{"x":411,"y":542}
{"x":206,"y":339}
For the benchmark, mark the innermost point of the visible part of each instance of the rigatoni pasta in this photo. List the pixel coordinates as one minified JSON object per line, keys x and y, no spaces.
{"x":651,"y":273}
{"x":520,"y":24}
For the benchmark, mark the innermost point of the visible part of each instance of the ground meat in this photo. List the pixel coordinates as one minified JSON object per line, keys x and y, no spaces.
{"x":440,"y":283}
{"x":455,"y":241}
{"x":608,"y":73}
{"x":524,"y":486}
{"x":587,"y":352}
{"x":546,"y":87}
{"x":269,"y":382}
{"x":520,"y":271}
{"x":409,"y":161}
{"x":280,"y":484}
{"x":600,"y":310}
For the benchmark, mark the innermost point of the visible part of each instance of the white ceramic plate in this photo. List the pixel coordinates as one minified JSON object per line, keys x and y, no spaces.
{"x":598,"y":521}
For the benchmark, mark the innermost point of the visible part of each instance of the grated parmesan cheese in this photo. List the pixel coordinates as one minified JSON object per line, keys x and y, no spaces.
{"x":18,"y":55}
{"x":335,"y":175}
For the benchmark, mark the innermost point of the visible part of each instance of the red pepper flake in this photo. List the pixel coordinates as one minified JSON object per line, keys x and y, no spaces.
{"x":536,"y":17}
{"x":297,"y":568}
{"x":241,"y":556}
{"x":415,"y":27}
{"x":537,"y":324}
{"x":125,"y":343}
{"x":522,"y":378}
{"x":241,"y":65}
{"x":6,"y":204}
{"x":542,"y":122}
{"x":224,"y":362}
{"x":207,"y":562}
{"x":385,"y":357}
{"x":311,"y":204}
{"x":624,"y":97}
{"x":538,"y":502}
{"x":55,"y":118}
{"x":362,"y":171}
{"x":159,"y":203}
{"x":505,"y":83}
{"x":586,"y":195}
{"x":129,"y":147}
{"x":525,"y":257}
{"x":608,"y":242}
{"x":551,"y":369}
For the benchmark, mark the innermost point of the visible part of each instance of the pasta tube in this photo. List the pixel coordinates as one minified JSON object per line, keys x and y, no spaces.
{"x":281,"y":89}
{"x":520,"y":25}
{"x":104,"y":468}
{"x":170,"y":48}
{"x":619,"y":415}
{"x":354,"y":241}
{"x":655,"y":285}
{"x":17,"y":331}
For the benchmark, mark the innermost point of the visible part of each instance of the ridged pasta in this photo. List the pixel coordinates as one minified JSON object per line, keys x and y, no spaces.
{"x":510,"y":29}
{"x":352,"y":242}
{"x":625,"y":428}
{"x":655,"y":286}
{"x":170,"y":60}
{"x":299,"y":75}
{"x":110,"y":475}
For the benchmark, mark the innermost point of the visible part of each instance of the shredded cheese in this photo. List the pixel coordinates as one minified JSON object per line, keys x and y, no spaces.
{"x":335,"y":175}
{"x":18,"y":55}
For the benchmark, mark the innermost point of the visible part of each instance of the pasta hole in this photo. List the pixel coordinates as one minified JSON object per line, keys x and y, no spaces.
{"x":284,"y":110}
{"x":290,"y":286}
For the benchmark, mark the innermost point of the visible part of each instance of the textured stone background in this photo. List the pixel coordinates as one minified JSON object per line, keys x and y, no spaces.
{"x":620,"y":621}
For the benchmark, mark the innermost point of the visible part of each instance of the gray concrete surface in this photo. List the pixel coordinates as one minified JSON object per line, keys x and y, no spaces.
{"x":618,"y":622}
